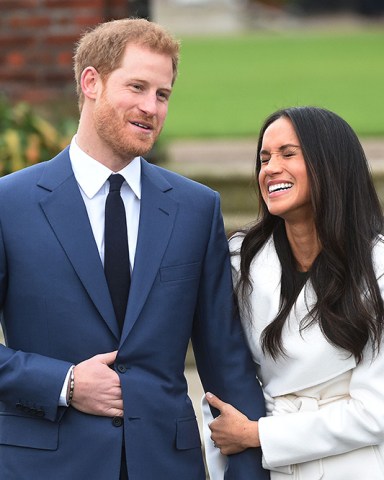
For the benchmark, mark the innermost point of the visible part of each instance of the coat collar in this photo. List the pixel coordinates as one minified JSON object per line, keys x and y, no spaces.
{"x":66,"y":213}
{"x":310,"y":358}
{"x":157,"y":217}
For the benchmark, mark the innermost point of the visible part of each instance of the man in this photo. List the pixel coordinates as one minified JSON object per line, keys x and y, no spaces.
{"x":83,"y":397}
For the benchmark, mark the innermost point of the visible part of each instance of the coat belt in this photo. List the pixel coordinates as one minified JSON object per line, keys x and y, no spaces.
{"x":286,"y":404}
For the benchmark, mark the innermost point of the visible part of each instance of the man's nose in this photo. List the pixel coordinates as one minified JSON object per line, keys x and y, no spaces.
{"x":148,"y":103}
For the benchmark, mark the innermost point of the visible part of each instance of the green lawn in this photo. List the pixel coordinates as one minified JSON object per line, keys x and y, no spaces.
{"x":227,"y":86}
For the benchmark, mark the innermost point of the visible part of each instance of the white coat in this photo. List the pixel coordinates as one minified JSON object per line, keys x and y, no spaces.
{"x":325,"y":414}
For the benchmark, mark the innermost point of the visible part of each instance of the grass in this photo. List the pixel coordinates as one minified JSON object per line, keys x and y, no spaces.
{"x":228,"y":85}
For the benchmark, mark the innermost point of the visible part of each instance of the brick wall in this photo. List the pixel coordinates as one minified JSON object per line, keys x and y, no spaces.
{"x":37,"y":38}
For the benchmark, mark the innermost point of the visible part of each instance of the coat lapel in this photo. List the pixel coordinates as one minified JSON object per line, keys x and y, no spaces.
{"x":157,"y":216}
{"x":65,"y":211}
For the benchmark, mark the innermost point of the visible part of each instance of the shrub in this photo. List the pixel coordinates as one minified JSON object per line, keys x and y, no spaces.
{"x":27,"y":138}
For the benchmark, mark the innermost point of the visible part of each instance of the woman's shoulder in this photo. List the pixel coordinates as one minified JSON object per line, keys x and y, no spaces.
{"x":265,"y":256}
{"x":235,"y":241}
{"x":378,"y":255}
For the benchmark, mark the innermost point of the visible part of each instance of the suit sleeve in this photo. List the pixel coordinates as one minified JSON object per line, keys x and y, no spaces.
{"x":222,"y":357}
{"x":29,"y":383}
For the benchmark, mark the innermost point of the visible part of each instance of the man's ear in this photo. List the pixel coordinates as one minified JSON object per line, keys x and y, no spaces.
{"x":90,"y":82}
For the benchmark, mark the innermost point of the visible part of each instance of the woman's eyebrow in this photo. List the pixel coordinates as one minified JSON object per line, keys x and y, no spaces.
{"x":283,"y":147}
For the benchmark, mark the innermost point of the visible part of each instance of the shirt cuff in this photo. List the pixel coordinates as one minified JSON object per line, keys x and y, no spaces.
{"x":63,"y":395}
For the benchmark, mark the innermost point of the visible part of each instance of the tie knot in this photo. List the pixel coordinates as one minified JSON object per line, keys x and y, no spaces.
{"x":115,"y":182}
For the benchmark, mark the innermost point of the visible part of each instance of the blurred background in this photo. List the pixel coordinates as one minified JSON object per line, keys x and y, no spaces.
{"x":240,"y":60}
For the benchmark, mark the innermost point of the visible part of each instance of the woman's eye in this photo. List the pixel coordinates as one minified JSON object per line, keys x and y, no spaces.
{"x":264,"y":160}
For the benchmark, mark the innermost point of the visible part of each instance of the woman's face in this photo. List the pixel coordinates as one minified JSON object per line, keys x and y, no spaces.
{"x":283,"y":177}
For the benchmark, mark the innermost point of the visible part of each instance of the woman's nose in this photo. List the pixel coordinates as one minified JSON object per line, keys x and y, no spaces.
{"x":274,"y":164}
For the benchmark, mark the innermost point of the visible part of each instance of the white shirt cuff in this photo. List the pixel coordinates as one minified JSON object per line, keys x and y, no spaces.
{"x":63,"y":395}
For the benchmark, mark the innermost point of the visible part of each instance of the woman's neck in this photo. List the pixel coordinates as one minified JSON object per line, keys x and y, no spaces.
{"x":304,"y":243}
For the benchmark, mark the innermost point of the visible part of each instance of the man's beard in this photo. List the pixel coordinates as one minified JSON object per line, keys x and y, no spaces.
{"x":111,"y":129}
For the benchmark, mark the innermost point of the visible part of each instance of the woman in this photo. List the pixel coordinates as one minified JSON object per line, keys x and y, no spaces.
{"x":309,"y":277}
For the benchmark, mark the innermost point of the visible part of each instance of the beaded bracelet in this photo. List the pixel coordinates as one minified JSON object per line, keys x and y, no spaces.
{"x":71,"y":385}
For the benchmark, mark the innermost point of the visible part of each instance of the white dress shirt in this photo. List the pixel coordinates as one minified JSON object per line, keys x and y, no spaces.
{"x":92,"y":179}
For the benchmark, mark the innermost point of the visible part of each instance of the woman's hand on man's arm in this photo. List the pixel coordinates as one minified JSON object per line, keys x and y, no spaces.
{"x":232,"y":432}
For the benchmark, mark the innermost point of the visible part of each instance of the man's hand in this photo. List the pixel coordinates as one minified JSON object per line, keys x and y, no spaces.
{"x":232,"y":432}
{"x":97,"y":387}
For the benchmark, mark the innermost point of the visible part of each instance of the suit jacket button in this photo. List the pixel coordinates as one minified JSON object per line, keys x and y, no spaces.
{"x":117,"y":421}
{"x":121,"y":368}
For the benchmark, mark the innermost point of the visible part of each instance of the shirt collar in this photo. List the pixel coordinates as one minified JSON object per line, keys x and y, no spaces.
{"x":91,"y":175}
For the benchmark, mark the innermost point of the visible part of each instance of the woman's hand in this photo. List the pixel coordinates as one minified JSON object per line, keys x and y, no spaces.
{"x":232,"y":432}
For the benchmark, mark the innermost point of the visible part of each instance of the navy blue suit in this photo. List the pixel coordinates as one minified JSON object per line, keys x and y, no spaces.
{"x":56,"y":311}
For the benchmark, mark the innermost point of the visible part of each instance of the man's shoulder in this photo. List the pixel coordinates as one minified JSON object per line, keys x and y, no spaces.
{"x":20,"y":176}
{"x":18,"y":186}
{"x":177,"y":180}
{"x":32,"y":172}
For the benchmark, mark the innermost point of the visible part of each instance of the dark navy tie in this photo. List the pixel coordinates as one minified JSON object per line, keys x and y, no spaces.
{"x":116,"y":253}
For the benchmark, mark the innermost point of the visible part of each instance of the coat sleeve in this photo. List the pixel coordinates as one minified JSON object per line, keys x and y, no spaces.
{"x":222,"y":357}
{"x":216,"y":461}
{"x":29,"y":383}
{"x":352,"y":422}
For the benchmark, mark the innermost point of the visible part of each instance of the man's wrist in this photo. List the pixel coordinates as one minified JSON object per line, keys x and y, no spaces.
{"x":71,"y":385}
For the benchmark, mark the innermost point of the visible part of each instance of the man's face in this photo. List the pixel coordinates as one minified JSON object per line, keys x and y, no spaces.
{"x":132,"y":106}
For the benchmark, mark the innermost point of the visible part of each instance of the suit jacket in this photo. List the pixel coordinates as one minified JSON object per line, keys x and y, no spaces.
{"x":56,"y":311}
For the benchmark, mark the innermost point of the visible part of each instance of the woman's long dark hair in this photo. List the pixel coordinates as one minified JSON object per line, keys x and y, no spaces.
{"x":348,"y":219}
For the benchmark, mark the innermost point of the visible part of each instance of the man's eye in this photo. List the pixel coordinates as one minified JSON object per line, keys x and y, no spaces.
{"x":264,"y":160}
{"x":163,"y":96}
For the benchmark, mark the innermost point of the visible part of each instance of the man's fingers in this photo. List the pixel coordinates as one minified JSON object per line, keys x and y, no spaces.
{"x":108,"y":358}
{"x":214,"y":401}
{"x":115,"y":412}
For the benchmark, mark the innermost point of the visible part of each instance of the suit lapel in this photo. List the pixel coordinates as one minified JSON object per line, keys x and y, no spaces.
{"x":157,"y":216}
{"x":66,"y":213}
